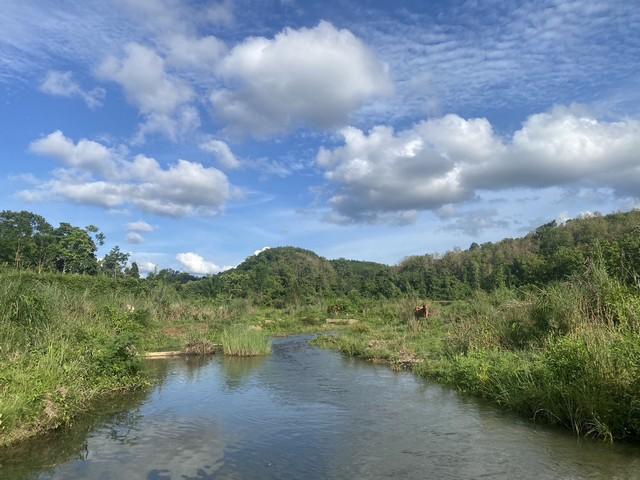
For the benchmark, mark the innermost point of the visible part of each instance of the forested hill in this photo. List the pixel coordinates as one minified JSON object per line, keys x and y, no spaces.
{"x":288,"y":274}
{"x":282,"y":275}
{"x":550,"y":253}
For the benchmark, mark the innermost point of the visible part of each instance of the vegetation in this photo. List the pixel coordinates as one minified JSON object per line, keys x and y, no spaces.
{"x":547,"y":325}
{"x":567,"y":354}
{"x":240,"y":341}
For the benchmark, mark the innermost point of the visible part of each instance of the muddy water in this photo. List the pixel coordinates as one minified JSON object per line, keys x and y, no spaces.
{"x":306,"y":413}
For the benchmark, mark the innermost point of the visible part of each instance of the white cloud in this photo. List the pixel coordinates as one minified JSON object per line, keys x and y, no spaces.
{"x":62,"y":84}
{"x":162,"y":98}
{"x":259,"y":251}
{"x":146,"y":267}
{"x":178,"y":16}
{"x":86,"y":154}
{"x":196,"y":264}
{"x":192,"y":53}
{"x":448,"y":160}
{"x":313,"y":76}
{"x":221,"y":152}
{"x":99,"y":176}
{"x":522,"y":54}
{"x":140,"y":226}
{"x":134,"y":237}
{"x":136,"y":229}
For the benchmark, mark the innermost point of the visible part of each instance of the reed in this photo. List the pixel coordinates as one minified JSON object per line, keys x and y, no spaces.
{"x":238,"y":340}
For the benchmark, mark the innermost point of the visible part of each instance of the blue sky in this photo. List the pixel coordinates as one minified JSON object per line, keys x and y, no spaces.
{"x":195,"y":133}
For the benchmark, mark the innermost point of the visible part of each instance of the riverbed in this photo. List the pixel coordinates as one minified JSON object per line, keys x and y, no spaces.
{"x":306,"y":413}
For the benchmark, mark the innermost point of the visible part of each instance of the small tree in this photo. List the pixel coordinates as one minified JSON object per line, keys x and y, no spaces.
{"x":133,"y":271}
{"x":114,"y":262}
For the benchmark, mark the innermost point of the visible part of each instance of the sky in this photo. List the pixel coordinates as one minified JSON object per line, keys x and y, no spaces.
{"x":196,"y":133}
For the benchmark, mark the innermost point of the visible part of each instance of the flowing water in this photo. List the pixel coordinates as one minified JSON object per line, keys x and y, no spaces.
{"x":307,"y":413}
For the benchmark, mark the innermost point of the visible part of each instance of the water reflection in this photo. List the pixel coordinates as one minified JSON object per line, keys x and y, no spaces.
{"x":308,"y":413}
{"x":238,"y":370}
{"x":38,"y":457}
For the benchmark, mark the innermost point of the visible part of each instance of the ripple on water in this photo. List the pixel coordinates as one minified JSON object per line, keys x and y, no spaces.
{"x":313,"y":414}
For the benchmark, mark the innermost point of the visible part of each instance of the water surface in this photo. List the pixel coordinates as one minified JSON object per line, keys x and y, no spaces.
{"x":307,"y":413}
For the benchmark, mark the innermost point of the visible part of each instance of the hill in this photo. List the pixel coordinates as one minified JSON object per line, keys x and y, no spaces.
{"x":552,"y":252}
{"x":278,"y":276}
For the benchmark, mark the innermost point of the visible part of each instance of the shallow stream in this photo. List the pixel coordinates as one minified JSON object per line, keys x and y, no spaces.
{"x":307,"y":413}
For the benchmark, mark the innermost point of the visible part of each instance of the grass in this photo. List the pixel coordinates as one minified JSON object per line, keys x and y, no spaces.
{"x":567,"y":354}
{"x":240,"y":341}
{"x":68,"y":340}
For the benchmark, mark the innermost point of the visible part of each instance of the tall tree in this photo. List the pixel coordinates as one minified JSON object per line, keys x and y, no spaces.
{"x":26,"y":240}
{"x":114,"y":262}
{"x":75,"y":250}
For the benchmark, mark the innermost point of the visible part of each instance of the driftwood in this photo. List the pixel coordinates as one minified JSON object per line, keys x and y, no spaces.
{"x":184,"y":353}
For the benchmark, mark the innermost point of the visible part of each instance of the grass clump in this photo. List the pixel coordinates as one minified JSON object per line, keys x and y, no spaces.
{"x":238,"y":340}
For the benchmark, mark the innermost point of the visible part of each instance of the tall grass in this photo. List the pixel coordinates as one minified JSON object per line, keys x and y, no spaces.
{"x":66,"y":340}
{"x":240,"y":341}
{"x":567,"y":354}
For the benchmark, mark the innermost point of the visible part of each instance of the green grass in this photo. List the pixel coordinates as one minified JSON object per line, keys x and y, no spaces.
{"x":567,"y":354}
{"x":238,"y":340}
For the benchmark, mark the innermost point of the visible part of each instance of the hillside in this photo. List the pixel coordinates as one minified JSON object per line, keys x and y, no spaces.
{"x":550,"y":253}
{"x":284,"y":275}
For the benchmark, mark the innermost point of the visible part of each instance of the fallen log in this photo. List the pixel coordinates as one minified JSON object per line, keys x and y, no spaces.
{"x":189,"y":352}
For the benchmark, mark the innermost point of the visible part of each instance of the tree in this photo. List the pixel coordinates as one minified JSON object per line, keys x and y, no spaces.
{"x":114,"y":262}
{"x":26,"y":240}
{"x":97,"y":234}
{"x":133,"y":271}
{"x":75,"y":251}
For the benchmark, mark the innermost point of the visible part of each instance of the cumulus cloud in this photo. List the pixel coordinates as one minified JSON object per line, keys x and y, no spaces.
{"x":260,"y":250}
{"x":221,"y":153}
{"x":99,"y":176}
{"x":162,"y":98}
{"x":314,"y":76}
{"x":134,"y":237}
{"x":146,"y":267}
{"x":193,"y":53}
{"x":472,"y":222}
{"x":448,"y":160}
{"x":136,"y":229}
{"x":196,"y":264}
{"x":140,"y":226}
{"x":62,"y":84}
{"x":86,"y":154}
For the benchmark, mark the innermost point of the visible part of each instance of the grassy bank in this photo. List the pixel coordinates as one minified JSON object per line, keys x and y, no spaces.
{"x":568,"y":354}
{"x":67,"y":340}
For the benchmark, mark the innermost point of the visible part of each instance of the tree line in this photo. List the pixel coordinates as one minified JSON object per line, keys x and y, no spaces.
{"x":280,"y":276}
{"x":553,"y":252}
{"x":28,"y":241}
